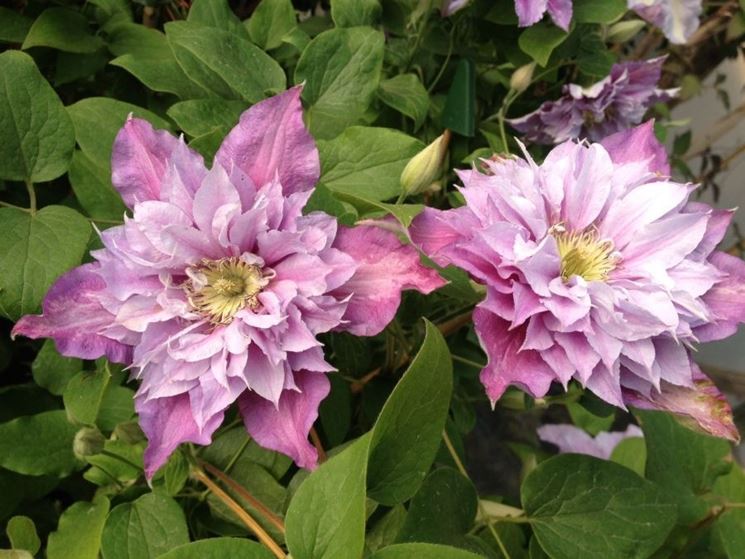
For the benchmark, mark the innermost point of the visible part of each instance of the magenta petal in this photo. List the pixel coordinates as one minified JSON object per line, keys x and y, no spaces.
{"x":385,"y":267}
{"x":140,"y":158}
{"x":638,"y":145}
{"x":285,"y":428}
{"x":701,"y":407}
{"x":74,"y":317}
{"x":168,"y":422}
{"x":726,"y":300}
{"x":271,"y":139}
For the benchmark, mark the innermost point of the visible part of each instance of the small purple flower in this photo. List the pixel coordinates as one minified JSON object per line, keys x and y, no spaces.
{"x":615,"y":103}
{"x":530,"y":12}
{"x":449,"y":7}
{"x":216,"y":288}
{"x":597,"y":268}
{"x":678,"y":19}
{"x":573,"y":439}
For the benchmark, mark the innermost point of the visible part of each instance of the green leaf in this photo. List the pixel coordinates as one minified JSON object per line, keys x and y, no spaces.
{"x":91,"y":183}
{"x":108,"y":466}
{"x":540,"y":40}
{"x":581,"y":507}
{"x":224,"y":63}
{"x":351,"y":13}
{"x":13,"y":26}
{"x":146,"y":54}
{"x":83,"y":396}
{"x":459,"y":113}
{"x":62,"y":29}
{"x":682,"y":461}
{"x":34,"y":251}
{"x":585,"y":419}
{"x":144,"y":529}
{"x":71,"y":66}
{"x":422,"y":551}
{"x":407,"y":95}
{"x":36,"y":136}
{"x":631,"y":453}
{"x":202,"y":116}
{"x":22,"y":534}
{"x":270,"y":22}
{"x":116,"y":407}
{"x":341,"y":68}
{"x":594,"y":59}
{"x":598,"y":11}
{"x":38,"y":444}
{"x":78,"y":534}
{"x":220,"y":548}
{"x":324,"y":200}
{"x":216,"y":13}
{"x":407,"y":434}
{"x":385,"y":530}
{"x":232,"y":443}
{"x":730,"y":526}
{"x":53,"y":371}
{"x":326,"y":517}
{"x":442,"y":511}
{"x":335,"y":411}
{"x":98,"y":120}
{"x":366,"y":162}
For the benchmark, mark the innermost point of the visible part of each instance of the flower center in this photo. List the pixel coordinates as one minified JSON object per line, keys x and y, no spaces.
{"x":584,"y":254}
{"x":218,"y":289}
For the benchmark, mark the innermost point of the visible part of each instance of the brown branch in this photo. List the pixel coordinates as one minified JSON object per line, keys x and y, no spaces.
{"x":317,"y":443}
{"x":275,"y":520}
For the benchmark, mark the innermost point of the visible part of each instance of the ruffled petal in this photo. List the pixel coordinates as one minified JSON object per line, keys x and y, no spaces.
{"x":530,"y":11}
{"x":726,"y":300}
{"x":285,"y":427}
{"x":638,"y":145}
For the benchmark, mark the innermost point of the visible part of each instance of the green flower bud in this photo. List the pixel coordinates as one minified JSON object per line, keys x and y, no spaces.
{"x":624,"y":30}
{"x":426,"y":166}
{"x":522,"y":77}
{"x":88,"y":441}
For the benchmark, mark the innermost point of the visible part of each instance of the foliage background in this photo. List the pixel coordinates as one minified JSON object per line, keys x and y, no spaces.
{"x":383,"y":78}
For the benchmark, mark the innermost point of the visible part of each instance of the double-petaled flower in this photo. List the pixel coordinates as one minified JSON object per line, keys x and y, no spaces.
{"x":215,"y":289}
{"x":597,"y":269}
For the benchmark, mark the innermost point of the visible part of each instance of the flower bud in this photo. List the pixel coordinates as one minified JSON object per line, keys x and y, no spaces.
{"x":522,"y":77}
{"x":426,"y":166}
{"x":87,"y":442}
{"x":624,"y":30}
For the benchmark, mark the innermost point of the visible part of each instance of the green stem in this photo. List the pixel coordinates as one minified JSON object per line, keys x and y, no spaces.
{"x":462,"y":470}
{"x":401,"y":198}
{"x":9,"y":205}
{"x":31,"y":196}
{"x":237,"y":455}
{"x":467,"y":361}
{"x":444,"y":64}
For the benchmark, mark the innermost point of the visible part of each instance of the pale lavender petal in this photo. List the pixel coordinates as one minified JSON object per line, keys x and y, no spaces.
{"x":72,"y":315}
{"x":285,"y":427}
{"x":385,"y":268}
{"x":561,"y":12}
{"x":271,"y":139}
{"x":140,"y":159}
{"x":638,"y":145}
{"x":530,"y":11}
{"x":678,"y":19}
{"x":726,"y":300}
{"x":575,"y":440}
{"x":168,"y":422}
{"x":586,"y":195}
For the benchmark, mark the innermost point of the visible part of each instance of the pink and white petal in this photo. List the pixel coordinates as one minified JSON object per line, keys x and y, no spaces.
{"x":571,"y":439}
{"x":216,"y":203}
{"x":271,"y":139}
{"x":72,"y":315}
{"x":701,"y":407}
{"x":726,"y":300}
{"x":433,"y":230}
{"x":586,"y":195}
{"x":638,"y":146}
{"x":716,"y":228}
{"x":168,"y":422}
{"x":507,"y":363}
{"x":561,"y":12}
{"x":605,"y":384}
{"x":140,"y":157}
{"x":530,"y":11}
{"x":285,"y":427}
{"x":385,"y":268}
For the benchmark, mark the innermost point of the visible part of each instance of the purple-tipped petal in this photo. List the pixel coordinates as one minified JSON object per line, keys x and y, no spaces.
{"x":270,"y":139}
{"x":638,"y":145}
{"x":168,"y":422}
{"x":285,"y":428}
{"x":140,"y":160}
{"x":385,"y":267}
{"x":530,"y":11}
{"x":72,"y":315}
{"x":560,"y":12}
{"x":702,"y":407}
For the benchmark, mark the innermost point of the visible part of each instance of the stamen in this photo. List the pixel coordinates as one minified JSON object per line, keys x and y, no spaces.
{"x":584,"y":254}
{"x":219,"y":289}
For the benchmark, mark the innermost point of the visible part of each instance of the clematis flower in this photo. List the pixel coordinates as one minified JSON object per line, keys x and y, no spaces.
{"x":615,"y":103}
{"x":597,"y":268}
{"x":530,"y":12}
{"x":216,"y":288}
{"x":678,"y":19}
{"x":573,"y":439}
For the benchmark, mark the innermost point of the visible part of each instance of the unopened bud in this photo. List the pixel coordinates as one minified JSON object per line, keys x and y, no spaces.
{"x":426,"y":166}
{"x":88,"y":442}
{"x":624,"y":31}
{"x":522,"y":77}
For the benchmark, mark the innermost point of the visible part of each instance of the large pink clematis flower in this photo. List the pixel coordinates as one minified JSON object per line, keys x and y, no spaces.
{"x":597,"y":268}
{"x":216,"y":288}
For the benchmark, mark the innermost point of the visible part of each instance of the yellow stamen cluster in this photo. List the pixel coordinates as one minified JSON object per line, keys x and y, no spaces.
{"x":584,"y":254}
{"x":218,"y":289}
